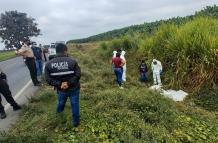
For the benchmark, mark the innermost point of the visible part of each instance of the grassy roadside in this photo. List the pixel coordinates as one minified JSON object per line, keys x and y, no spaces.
{"x":7,"y":55}
{"x":109,"y":114}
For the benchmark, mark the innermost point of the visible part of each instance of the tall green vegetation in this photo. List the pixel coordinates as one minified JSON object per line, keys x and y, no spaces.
{"x":148,"y":28}
{"x":189,"y":53}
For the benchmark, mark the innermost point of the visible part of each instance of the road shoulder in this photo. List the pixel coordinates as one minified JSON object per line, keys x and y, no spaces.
{"x":22,"y":97}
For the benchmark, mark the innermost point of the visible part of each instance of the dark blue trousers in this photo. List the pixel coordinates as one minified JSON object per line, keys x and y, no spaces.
{"x":74,"y":101}
{"x":118,"y":72}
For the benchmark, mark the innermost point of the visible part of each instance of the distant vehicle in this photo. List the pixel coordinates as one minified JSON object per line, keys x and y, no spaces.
{"x":52,"y":50}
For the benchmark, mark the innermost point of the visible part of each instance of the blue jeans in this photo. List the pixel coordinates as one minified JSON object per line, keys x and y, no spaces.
{"x":143,"y":77}
{"x":74,"y":101}
{"x":39,"y":67}
{"x":118,"y":72}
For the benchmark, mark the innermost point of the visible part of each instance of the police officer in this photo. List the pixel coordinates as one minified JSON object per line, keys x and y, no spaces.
{"x":5,"y":91}
{"x":27,"y":53}
{"x":63,"y":73}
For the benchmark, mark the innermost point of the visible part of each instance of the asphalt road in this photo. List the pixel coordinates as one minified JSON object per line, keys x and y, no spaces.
{"x":21,"y":87}
{"x":17,"y":74}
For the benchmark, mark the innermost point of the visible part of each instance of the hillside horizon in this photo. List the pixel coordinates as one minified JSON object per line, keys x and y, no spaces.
{"x":146,"y":27}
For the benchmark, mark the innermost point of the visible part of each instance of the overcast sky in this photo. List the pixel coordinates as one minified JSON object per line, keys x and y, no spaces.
{"x":70,"y":19}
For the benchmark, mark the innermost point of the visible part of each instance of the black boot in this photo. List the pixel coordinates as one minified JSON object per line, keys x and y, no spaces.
{"x":37,"y":84}
{"x":2,"y":115}
{"x":16,"y":107}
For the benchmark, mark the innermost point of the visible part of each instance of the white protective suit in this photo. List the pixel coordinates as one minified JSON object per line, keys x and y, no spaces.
{"x":122,"y":56}
{"x":156,"y":69}
{"x":114,"y":54}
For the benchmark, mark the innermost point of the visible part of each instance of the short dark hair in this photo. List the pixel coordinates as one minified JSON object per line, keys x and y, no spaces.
{"x":27,"y":41}
{"x":61,"y":48}
{"x":119,"y":50}
{"x":118,"y":54}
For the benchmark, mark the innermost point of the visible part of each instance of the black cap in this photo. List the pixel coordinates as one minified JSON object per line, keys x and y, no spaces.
{"x":61,"y":48}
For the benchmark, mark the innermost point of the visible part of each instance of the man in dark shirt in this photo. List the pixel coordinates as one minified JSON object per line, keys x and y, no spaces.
{"x":63,"y":73}
{"x":118,"y":63}
{"x":143,"y":71}
{"x":37,"y":51}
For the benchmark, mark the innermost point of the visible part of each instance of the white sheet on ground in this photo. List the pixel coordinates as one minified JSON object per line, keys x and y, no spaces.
{"x":173,"y":94}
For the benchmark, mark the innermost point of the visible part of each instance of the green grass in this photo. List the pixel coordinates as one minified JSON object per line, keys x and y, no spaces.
{"x":7,"y":55}
{"x":109,"y":114}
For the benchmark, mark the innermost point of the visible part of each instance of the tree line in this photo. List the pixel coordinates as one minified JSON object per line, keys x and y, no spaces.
{"x":148,"y":28}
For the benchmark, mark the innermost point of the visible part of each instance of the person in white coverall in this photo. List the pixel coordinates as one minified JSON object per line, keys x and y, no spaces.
{"x":156,"y":69}
{"x":124,"y":66}
{"x":114,"y":56}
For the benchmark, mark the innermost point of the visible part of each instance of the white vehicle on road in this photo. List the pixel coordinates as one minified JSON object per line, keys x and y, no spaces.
{"x":51,"y":51}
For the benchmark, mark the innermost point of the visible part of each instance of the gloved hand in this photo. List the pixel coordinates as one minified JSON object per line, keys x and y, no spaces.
{"x":161,"y":72}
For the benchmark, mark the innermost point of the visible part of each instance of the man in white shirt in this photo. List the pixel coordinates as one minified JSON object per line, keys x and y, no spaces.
{"x":27,"y":53}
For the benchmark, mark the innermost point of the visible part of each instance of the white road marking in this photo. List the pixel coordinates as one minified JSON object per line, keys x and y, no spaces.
{"x":18,"y":94}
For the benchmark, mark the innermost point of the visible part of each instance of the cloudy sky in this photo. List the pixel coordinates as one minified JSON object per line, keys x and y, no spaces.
{"x":71,"y":19}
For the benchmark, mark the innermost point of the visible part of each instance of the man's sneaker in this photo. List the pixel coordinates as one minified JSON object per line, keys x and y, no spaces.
{"x":16,"y":107}
{"x":2,"y":115}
